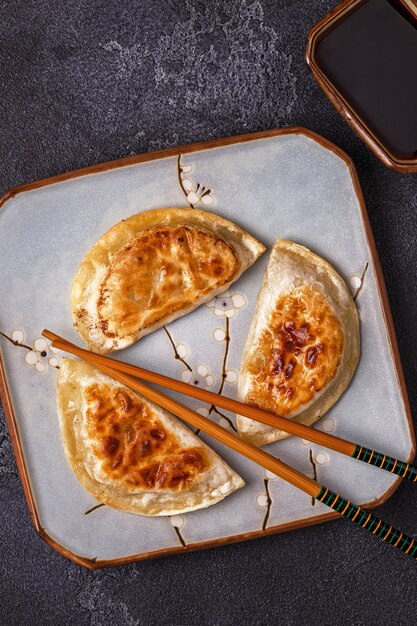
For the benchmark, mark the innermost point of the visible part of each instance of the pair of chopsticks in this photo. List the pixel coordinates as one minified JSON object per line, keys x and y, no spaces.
{"x":123,"y":373}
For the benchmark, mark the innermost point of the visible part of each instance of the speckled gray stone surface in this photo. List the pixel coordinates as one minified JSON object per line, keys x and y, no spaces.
{"x":82,"y":83}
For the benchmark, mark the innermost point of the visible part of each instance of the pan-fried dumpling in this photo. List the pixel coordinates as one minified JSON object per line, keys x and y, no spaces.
{"x":152,"y":268}
{"x":303,"y":344}
{"x":131,"y":454}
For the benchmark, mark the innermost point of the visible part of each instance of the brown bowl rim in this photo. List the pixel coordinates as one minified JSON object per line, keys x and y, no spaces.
{"x":342,"y":106}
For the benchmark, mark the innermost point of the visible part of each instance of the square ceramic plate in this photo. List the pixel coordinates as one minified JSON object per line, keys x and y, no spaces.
{"x":288,"y":183}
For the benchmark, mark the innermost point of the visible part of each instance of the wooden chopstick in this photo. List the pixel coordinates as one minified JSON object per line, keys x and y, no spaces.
{"x":354,"y":513}
{"x":361,"y":453}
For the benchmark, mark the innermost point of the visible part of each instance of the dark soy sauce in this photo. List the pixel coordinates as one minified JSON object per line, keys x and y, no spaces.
{"x":371,"y":58}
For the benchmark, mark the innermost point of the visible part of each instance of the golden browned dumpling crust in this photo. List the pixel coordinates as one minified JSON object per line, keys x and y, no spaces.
{"x":152,"y":268}
{"x":161,"y":272}
{"x":133,"y":445}
{"x":129,"y":453}
{"x":303,"y":344}
{"x":297,"y":355}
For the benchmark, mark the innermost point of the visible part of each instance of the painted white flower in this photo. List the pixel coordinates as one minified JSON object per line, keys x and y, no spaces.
{"x":231,"y":377}
{"x":226,"y":305}
{"x":219,"y":334}
{"x":262,"y":500}
{"x":203,"y":411}
{"x":327,"y":424}
{"x":40,"y":355}
{"x":321,"y":458}
{"x":196,"y":193}
{"x":186,"y":169}
{"x":182,"y":350}
{"x":270,"y":475}
{"x":201,"y":376}
{"x":18,"y":336}
{"x":355,"y":282}
{"x":177,"y":521}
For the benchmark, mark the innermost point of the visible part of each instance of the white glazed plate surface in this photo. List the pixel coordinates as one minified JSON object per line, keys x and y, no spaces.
{"x":285,"y":186}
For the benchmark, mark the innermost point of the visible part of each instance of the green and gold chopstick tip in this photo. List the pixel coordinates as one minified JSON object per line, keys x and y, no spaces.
{"x":369,"y":522}
{"x":385,"y":462}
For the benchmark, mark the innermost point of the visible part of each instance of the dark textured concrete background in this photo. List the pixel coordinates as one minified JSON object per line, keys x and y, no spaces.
{"x":85,"y":82}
